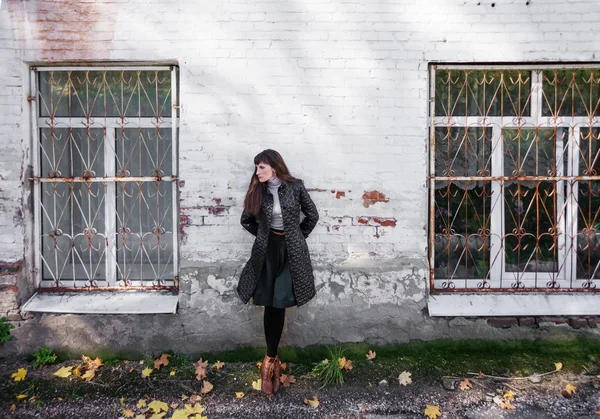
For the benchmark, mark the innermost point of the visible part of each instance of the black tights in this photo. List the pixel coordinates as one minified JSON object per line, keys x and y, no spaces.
{"x":273,"y":321}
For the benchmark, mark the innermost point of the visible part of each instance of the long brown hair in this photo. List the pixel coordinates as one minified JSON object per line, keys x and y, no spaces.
{"x":257,"y":191}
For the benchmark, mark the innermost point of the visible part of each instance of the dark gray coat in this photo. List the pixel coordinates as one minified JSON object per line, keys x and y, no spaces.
{"x":293,"y":198}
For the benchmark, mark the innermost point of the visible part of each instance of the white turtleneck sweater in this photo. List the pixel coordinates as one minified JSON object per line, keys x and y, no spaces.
{"x":277,"y":217}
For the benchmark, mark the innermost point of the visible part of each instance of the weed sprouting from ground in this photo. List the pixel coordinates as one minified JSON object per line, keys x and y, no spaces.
{"x":329,"y":370}
{"x":44,"y":356}
{"x":5,"y":330}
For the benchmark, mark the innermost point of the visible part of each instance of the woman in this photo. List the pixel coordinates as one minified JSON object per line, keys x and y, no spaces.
{"x":279,"y":273}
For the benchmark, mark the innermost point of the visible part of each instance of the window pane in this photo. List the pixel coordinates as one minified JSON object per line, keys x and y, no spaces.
{"x":530,"y":226}
{"x":101,"y":94}
{"x":571,"y":92}
{"x":144,"y":152}
{"x":462,"y":229}
{"x":72,"y":152}
{"x":463,"y":151}
{"x":73,"y":236}
{"x":482,"y":92}
{"x":532,"y":151}
{"x":145,"y":231}
{"x":588,"y":230}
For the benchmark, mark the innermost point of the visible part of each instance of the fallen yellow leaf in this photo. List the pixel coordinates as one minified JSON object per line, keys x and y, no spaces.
{"x":465,"y":385}
{"x":157,"y":406}
{"x":325,"y":361}
{"x":257,"y":385}
{"x":19,"y":375}
{"x":180,"y":414}
{"x":21,"y":396}
{"x":173,"y":371}
{"x":218,"y":365}
{"x":344,"y":364}
{"x":174,"y":405}
{"x":77,"y":370}
{"x":509,"y":395}
{"x":146,"y":372}
{"x":404,"y":378}
{"x":158,"y":415}
{"x":503,"y":403}
{"x":141,"y":403}
{"x":314,"y":402}
{"x":63,"y":372}
{"x":206,"y":387}
{"x":370,"y":355}
{"x":89,"y":374}
{"x":433,"y":412}
{"x":239,"y":394}
{"x":194,"y":398}
{"x":558,"y":366}
{"x":122,"y":401}
{"x":196,"y":408}
{"x":569,"y":390}
{"x":128,"y":413}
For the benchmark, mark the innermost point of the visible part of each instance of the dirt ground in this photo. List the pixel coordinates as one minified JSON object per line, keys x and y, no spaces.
{"x":370,"y":390}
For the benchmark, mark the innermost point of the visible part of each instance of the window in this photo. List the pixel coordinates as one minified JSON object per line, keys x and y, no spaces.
{"x":514,"y":178}
{"x":105,"y":164}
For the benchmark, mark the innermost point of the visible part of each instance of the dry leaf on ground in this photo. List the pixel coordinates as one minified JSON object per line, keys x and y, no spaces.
{"x":433,"y":412}
{"x":465,"y":385}
{"x":173,"y":372}
{"x":146,"y":372}
{"x":20,"y":374}
{"x":569,"y":390}
{"x":370,"y":355}
{"x":218,"y":365}
{"x":141,"y":403}
{"x":282,"y":365}
{"x":200,"y":369}
{"x":89,"y":374}
{"x":128,"y":413}
{"x":163,"y":361}
{"x":286,"y":380}
{"x":13,"y":407}
{"x":239,"y":394}
{"x":503,"y":403}
{"x":21,"y":396}
{"x":558,"y":366}
{"x":157,"y":406}
{"x":314,"y":402}
{"x":206,"y":387}
{"x":404,"y":378}
{"x":257,"y":385}
{"x":63,"y":372}
{"x":345,"y":364}
{"x":509,"y":395}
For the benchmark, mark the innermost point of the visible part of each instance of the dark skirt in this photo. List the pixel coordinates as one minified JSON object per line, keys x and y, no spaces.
{"x":275,"y":287}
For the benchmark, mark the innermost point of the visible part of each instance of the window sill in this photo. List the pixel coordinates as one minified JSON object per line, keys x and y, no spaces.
{"x":100,"y":302}
{"x":512,"y":304}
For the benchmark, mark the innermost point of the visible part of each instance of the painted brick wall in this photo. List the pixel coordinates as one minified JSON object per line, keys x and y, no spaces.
{"x":340,"y":88}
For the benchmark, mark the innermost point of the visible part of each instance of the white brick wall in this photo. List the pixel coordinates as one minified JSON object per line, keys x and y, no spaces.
{"x":339,"y":88}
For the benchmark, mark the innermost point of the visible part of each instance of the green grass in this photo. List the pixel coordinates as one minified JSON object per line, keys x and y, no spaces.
{"x":444,"y":357}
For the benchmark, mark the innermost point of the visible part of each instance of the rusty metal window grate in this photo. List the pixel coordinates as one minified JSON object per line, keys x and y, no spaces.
{"x":105,"y":171}
{"x":514,"y":179}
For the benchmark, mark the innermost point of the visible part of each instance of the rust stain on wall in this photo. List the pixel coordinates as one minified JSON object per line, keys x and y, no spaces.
{"x":377,"y":221}
{"x":372,"y":197}
{"x":10,"y":268}
{"x":64,"y":30}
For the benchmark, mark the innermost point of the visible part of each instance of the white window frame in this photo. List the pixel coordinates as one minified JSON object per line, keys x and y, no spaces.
{"x":109,"y":166}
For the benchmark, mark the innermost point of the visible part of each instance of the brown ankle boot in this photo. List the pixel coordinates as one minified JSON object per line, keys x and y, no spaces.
{"x":266,"y":375}
{"x":276,"y":374}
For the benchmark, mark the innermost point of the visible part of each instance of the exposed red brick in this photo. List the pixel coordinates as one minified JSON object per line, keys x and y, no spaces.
{"x":373,"y":197}
{"x":555,"y":320}
{"x":181,"y":183}
{"x":316,"y":190}
{"x":8,"y":288}
{"x":339,"y":194}
{"x":10,"y":268}
{"x":594,"y":321}
{"x":385,"y":222}
{"x":335,"y":228}
{"x":578,"y":322}
{"x":217,"y":200}
{"x":216,"y":210}
{"x":527,"y":321}
{"x":363,"y":220}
